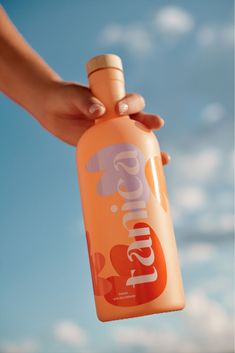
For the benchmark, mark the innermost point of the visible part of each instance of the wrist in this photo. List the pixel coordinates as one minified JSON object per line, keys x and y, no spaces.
{"x":36,"y":94}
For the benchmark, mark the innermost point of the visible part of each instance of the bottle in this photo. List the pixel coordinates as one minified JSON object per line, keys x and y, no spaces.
{"x":131,"y":243}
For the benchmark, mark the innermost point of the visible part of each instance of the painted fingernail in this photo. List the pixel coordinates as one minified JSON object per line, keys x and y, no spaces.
{"x":96,"y":109}
{"x":122,"y":107}
{"x":162,"y":121}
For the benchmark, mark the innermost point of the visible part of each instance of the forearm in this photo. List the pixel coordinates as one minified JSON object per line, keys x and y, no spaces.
{"x":24,"y":76}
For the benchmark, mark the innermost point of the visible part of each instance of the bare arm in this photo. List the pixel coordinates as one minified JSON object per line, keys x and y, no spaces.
{"x":24,"y":76}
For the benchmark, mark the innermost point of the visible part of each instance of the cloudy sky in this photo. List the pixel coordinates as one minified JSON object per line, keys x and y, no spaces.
{"x":179,"y":55}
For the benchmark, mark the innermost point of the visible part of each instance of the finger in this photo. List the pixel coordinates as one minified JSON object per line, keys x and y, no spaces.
{"x":90,"y":106}
{"x":132,"y":103}
{"x":151,"y":121}
{"x":165,"y":158}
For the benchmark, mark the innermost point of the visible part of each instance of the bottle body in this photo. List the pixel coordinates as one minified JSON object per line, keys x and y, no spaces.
{"x":131,"y":243}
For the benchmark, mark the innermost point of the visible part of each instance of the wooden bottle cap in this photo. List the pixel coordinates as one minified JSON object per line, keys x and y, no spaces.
{"x":102,"y":62}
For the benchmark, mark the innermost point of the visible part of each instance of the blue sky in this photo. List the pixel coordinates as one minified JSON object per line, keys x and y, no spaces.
{"x":179,"y":55}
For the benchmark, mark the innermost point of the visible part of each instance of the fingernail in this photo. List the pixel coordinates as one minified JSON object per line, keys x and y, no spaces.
{"x":96,"y":109}
{"x":122,"y":107}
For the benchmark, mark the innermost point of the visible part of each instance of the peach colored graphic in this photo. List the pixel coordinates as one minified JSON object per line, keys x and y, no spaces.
{"x":101,"y":285}
{"x":115,"y":289}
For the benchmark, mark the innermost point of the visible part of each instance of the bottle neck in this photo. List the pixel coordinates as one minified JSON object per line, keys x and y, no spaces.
{"x":108,"y":86}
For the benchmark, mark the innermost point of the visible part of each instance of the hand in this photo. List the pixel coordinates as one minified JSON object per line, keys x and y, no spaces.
{"x":69,"y":109}
{"x":64,"y":109}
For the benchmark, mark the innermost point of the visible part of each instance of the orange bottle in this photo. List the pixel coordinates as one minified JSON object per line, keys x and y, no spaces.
{"x":131,"y":243}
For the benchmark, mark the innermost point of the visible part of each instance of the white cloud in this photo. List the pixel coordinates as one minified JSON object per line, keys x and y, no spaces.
{"x":173,"y":21}
{"x":204,"y":326}
{"x":221,"y":223}
{"x":200,"y":166}
{"x":220,"y":286}
{"x":192,"y":193}
{"x":169,"y":21}
{"x":197,"y":253}
{"x":209,"y":322}
{"x":189,"y":198}
{"x":213,"y":112}
{"x":217,"y":219}
{"x":26,"y":346}
{"x":177,"y":214}
{"x":70,"y":333}
{"x":133,"y":37}
{"x":149,"y":340}
{"x":230,"y":164}
{"x":216,"y":36}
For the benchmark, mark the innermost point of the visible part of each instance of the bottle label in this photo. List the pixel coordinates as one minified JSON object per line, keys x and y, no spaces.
{"x":138,"y":264}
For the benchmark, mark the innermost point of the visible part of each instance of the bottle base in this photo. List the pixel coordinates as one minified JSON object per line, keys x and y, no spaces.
{"x":107,"y":318}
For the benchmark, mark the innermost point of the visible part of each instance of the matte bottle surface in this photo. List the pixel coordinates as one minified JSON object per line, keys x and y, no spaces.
{"x":131,"y":243}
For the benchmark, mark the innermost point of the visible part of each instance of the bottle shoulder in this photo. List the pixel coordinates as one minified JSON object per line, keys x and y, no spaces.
{"x":122,"y":129}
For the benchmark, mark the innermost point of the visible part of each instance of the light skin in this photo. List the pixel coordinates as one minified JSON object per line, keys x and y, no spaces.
{"x":65,"y":109}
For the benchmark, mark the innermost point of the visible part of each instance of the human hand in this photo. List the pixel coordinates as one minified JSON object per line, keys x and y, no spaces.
{"x":65,"y":109}
{"x":70,"y":109}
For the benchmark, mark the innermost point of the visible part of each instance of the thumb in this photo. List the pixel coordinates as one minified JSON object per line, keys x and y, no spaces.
{"x":87,"y":104}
